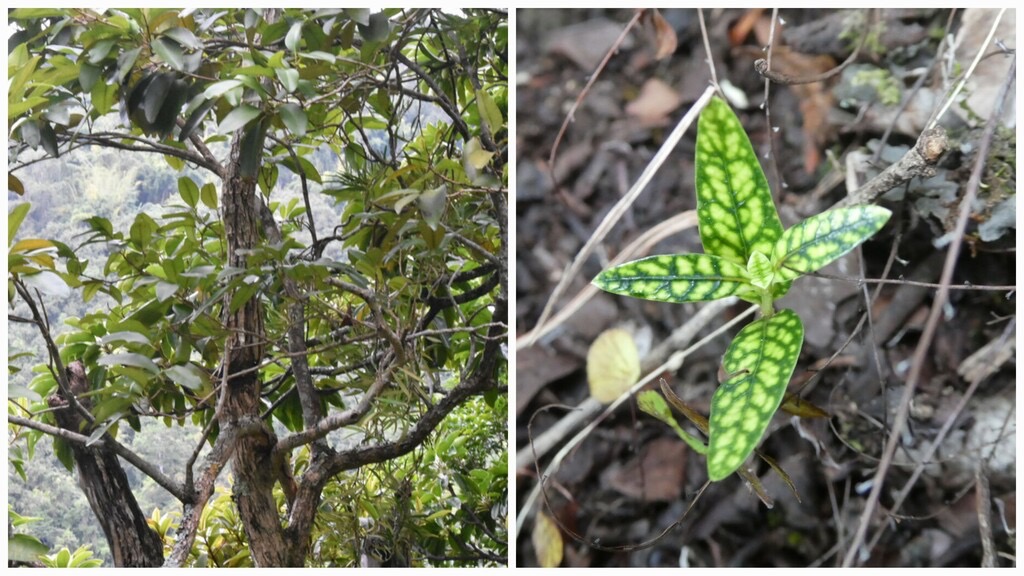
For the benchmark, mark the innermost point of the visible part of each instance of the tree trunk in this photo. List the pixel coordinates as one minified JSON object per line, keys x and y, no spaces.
{"x":102,"y":479}
{"x":240,"y":386}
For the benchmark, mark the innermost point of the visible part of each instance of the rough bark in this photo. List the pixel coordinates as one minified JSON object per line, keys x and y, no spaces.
{"x":105,"y":485}
{"x":239,"y":397}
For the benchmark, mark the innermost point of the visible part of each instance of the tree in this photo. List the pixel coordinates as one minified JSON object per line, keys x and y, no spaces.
{"x":240,"y":313}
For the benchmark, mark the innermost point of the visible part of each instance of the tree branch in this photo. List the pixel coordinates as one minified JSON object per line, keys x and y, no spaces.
{"x":106,"y":441}
{"x":213,"y":464}
{"x":442,"y":99}
{"x":114,"y":140}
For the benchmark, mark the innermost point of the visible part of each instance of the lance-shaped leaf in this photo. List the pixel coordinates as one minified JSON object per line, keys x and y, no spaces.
{"x":735,"y":211}
{"x":761,"y":360}
{"x":818,"y":240}
{"x":675,"y":278}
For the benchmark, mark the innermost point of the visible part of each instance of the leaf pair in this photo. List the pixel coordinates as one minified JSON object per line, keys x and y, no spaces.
{"x":747,"y":254}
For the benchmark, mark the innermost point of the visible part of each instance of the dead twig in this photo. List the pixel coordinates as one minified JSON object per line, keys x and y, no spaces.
{"x":761,"y":66}
{"x":919,"y":161}
{"x":586,"y":89}
{"x":619,"y":209}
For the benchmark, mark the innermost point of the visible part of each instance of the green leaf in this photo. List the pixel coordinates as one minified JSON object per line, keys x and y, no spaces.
{"x":305,"y":166}
{"x":208,"y":194}
{"x":652,"y":403}
{"x":155,"y":95}
{"x":431,"y":203}
{"x":48,"y":138}
{"x":820,"y":239}
{"x":188,"y":190}
{"x":238,"y":118}
{"x":187,"y":376}
{"x":15,"y":391}
{"x":291,"y":40}
{"x":62,"y":450}
{"x":25,"y":105}
{"x":195,"y":119}
{"x":217,"y":88}
{"x":165,"y":290}
{"x":129,"y":359}
{"x":170,"y":52}
{"x":15,"y":218}
{"x":88,"y":74}
{"x":251,"y":150}
{"x":103,"y":97}
{"x":125,"y":62}
{"x":242,"y":295}
{"x":125,"y":336}
{"x":30,"y":245}
{"x":360,"y":15}
{"x":289,"y":78}
{"x":16,"y":90}
{"x":760,"y":362}
{"x":142,"y":230}
{"x":185,"y":37}
{"x":735,"y":211}
{"x":25,"y":548}
{"x":489,"y":111}
{"x":99,"y":50}
{"x":675,"y":278}
{"x":294,"y":118}
{"x":48,"y":283}
{"x":760,"y":270}
{"x":378,"y":28}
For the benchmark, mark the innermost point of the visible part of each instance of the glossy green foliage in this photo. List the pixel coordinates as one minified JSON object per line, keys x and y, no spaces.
{"x":735,"y":211}
{"x":414,"y":219}
{"x":818,"y":240}
{"x":759,"y":363}
{"x":675,"y":278}
{"x":749,"y":256}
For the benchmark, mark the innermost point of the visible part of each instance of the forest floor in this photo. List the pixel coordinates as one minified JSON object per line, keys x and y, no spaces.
{"x":629,"y":492}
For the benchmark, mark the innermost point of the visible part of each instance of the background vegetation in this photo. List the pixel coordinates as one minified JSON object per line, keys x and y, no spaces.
{"x":275,"y":242}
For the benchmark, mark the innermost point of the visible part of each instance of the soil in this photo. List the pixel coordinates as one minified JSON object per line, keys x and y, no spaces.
{"x":630,"y":493}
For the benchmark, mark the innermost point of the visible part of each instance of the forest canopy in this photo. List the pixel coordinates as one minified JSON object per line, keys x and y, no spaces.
{"x":258,"y":273}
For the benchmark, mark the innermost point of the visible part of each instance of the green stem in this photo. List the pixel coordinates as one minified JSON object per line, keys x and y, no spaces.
{"x":767,"y":310}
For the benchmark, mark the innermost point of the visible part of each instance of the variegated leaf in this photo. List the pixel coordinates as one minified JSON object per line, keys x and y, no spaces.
{"x":675,"y":278}
{"x":735,"y":210}
{"x":760,"y":361}
{"x":818,"y":240}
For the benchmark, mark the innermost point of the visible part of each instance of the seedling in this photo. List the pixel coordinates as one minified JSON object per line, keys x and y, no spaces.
{"x":746,"y":254}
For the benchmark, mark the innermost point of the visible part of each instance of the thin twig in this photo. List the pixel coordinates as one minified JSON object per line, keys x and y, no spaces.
{"x":621,"y":206}
{"x":762,"y":67}
{"x":984,"y":503}
{"x":641,"y":245}
{"x":586,"y":88}
{"x":707,"y":46}
{"x":653,"y":361}
{"x":970,"y":71}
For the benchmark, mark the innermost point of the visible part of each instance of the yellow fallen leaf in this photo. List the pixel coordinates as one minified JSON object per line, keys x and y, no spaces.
{"x":613,"y":365}
{"x":547,"y":541}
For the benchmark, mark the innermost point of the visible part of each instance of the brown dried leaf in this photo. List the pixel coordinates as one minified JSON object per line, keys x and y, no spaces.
{"x":664,"y":36}
{"x":656,"y":100}
{"x":655,"y":476}
{"x":741,"y":29}
{"x":537,"y":367}
{"x":815,"y":100}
